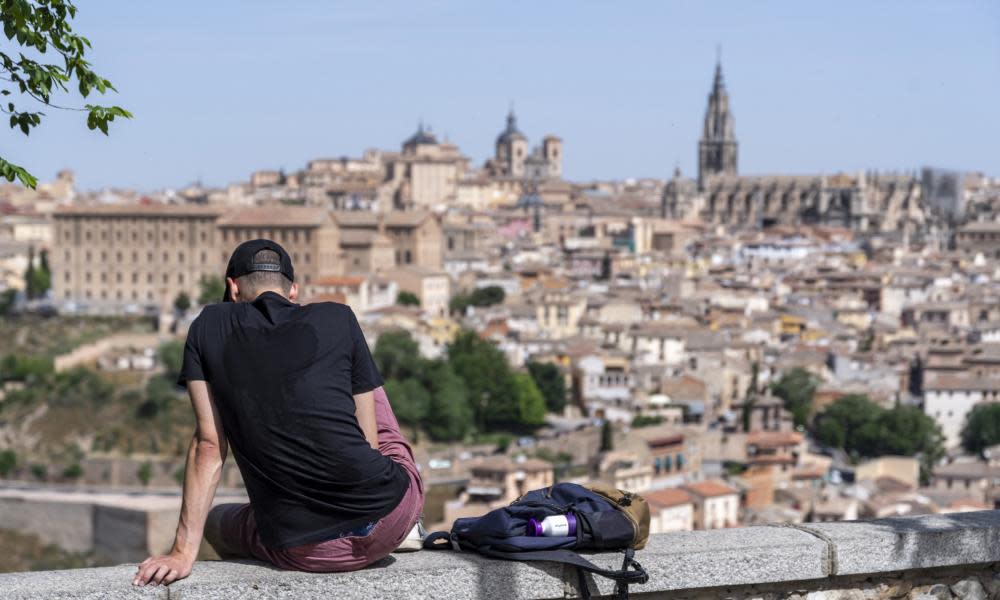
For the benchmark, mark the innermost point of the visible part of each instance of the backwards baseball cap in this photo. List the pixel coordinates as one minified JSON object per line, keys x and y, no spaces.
{"x":241,"y":262}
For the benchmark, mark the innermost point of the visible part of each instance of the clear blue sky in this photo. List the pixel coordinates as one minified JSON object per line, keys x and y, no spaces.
{"x":222,"y":88}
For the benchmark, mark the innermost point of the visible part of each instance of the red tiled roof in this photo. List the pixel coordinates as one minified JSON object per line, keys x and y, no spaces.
{"x":710,"y":489}
{"x":273,"y":216}
{"x":668,"y":497}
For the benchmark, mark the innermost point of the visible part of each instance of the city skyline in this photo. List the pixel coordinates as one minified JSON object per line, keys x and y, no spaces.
{"x":862,"y":91}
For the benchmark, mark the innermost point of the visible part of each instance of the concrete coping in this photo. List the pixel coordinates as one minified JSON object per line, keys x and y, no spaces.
{"x":695,"y":560}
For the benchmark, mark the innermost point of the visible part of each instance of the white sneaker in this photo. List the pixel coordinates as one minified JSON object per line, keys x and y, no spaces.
{"x":414,"y":540}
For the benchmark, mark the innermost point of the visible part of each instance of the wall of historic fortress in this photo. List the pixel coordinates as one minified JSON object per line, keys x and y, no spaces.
{"x":941,"y":557}
{"x":116,"y":527}
{"x":89,"y":353}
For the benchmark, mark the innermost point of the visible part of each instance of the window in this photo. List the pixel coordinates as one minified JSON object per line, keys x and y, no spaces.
{"x":180,"y":257}
{"x":118,"y":277}
{"x":104,"y":277}
{"x":166,"y":278}
{"x":149,"y":256}
{"x":307,"y":257}
{"x":149,"y":278}
{"x":66,"y":277}
{"x":135,"y":278}
{"x":86,"y":276}
{"x":87,"y":255}
{"x":180,"y":278}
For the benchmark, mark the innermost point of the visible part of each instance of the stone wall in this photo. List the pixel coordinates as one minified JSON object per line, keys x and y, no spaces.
{"x":921,"y":558}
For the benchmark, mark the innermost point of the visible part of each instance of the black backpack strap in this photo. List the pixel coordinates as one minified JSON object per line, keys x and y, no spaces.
{"x":631,"y":571}
{"x":439,"y":540}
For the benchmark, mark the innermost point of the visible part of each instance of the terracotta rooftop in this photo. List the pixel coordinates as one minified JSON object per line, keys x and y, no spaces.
{"x":139,"y":210}
{"x":710,"y":489}
{"x":774,"y":439}
{"x":273,"y":216}
{"x":667,"y":497}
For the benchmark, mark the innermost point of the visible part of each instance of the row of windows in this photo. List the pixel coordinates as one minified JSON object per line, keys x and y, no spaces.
{"x":104,"y":295}
{"x":119,"y":256}
{"x":119,"y":236}
{"x":120,"y":277}
{"x":278,"y":235}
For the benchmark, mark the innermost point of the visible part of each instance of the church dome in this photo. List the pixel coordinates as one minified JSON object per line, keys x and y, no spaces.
{"x":423,"y":136}
{"x":511,"y":132}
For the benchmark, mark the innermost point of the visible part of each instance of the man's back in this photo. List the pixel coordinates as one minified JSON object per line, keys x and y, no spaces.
{"x":284,"y":377}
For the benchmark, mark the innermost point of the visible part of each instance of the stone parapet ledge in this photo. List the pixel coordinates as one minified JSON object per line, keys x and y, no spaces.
{"x":937,"y":556}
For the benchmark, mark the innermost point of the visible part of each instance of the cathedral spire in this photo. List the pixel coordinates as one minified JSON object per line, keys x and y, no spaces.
{"x":717,"y":149}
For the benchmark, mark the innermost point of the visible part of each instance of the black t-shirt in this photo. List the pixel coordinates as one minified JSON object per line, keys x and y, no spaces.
{"x":283,"y":377}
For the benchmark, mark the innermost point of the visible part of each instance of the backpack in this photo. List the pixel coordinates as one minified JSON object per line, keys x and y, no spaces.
{"x":607,"y":519}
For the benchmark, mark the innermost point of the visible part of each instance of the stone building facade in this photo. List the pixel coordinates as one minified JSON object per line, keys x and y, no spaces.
{"x":866,"y":202}
{"x":133,"y":256}
{"x":140,"y":255}
{"x":512,"y":158}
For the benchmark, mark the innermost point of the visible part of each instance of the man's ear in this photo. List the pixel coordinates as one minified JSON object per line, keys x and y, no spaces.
{"x":234,"y":289}
{"x":293,"y":292}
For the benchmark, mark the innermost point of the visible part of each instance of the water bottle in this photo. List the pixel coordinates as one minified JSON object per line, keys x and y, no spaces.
{"x":554,"y":526}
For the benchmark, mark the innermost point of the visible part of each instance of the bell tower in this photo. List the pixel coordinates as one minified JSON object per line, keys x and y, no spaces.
{"x":717,"y":149}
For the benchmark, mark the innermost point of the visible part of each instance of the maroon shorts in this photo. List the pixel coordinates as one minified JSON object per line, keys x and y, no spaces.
{"x":239,"y":528}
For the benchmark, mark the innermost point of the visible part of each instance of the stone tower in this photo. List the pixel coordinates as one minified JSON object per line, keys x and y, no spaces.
{"x":511,"y":148}
{"x":717,"y":149}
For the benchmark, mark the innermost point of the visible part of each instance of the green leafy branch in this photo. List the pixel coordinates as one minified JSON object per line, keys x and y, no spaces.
{"x":43,"y":26}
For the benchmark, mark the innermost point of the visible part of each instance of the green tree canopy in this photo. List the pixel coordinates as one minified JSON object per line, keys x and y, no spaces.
{"x":40,"y":30}
{"x":405,"y":298}
{"x":18,"y":367}
{"x":549,"y":379}
{"x":210,"y":289}
{"x":7,"y":300}
{"x":982,"y":428}
{"x":854,"y":425}
{"x":866,"y":430}
{"x":607,"y":437}
{"x":397,"y":355}
{"x":449,"y":417}
{"x":797,"y":388}
{"x":485,"y":296}
{"x":37,"y":280}
{"x":182,"y":302}
{"x":488,"y":379}
{"x":410,"y":400}
{"x":171,"y":355}
{"x":8,"y":461}
{"x":530,"y":402}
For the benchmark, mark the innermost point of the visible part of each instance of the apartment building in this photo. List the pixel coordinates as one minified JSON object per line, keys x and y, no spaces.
{"x":114,"y":256}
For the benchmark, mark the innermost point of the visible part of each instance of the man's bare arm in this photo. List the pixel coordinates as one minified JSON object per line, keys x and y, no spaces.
{"x":205,"y":458}
{"x":364,"y":410}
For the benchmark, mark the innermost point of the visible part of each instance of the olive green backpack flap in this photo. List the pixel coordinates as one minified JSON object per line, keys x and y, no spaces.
{"x":633,"y":505}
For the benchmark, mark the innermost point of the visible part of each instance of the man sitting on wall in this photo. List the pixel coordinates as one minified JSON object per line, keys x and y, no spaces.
{"x":294,"y":391}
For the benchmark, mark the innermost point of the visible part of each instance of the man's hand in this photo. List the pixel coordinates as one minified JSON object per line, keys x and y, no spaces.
{"x":163,"y":569}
